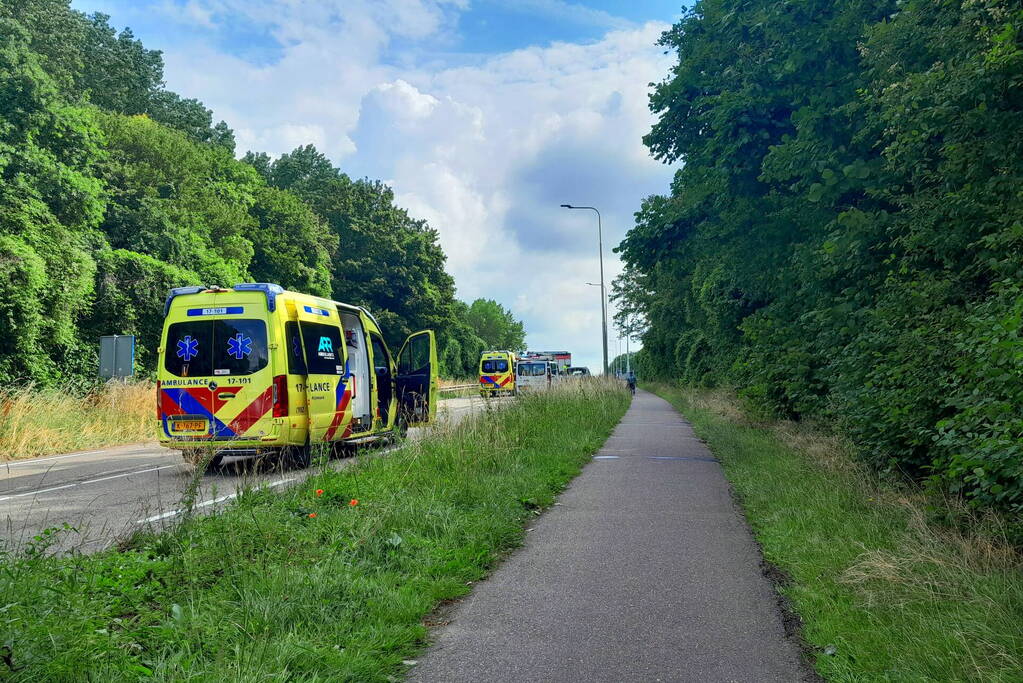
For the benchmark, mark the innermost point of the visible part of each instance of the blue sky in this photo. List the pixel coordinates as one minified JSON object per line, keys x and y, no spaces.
{"x":482,"y":27}
{"x":483,"y":115}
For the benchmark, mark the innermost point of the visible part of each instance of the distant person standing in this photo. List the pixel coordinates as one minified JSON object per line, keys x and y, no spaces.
{"x":631,"y":380}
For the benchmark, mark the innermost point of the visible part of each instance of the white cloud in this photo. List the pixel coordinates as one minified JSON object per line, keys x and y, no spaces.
{"x":559,"y":10}
{"x":485,"y":152}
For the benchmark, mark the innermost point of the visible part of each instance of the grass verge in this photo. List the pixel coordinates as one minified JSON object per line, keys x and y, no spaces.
{"x":329,"y":580}
{"x":41,"y":421}
{"x":884,"y":594}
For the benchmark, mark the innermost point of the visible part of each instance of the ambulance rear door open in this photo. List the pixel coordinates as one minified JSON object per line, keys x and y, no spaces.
{"x":359,"y":384}
{"x":327,"y":391}
{"x":417,"y":380}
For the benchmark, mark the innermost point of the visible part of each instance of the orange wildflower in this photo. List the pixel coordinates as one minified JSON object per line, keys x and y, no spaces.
{"x":319,"y":492}
{"x":312,"y":515}
{"x":353,"y":502}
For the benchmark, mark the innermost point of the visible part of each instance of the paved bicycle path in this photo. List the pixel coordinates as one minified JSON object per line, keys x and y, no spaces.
{"x":644,"y":571}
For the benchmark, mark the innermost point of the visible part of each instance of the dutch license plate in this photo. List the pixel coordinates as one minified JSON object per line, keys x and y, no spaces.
{"x":188,"y":426}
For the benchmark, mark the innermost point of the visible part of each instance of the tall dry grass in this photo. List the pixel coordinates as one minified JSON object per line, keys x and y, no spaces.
{"x":41,"y":421}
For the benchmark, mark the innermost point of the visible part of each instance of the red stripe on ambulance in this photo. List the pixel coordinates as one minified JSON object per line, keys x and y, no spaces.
{"x":339,"y":415}
{"x":168,"y":407}
{"x":253,"y":412}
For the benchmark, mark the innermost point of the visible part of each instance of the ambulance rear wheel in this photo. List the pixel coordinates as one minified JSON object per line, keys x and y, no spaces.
{"x":340,"y":449}
{"x":298,"y":456}
{"x":203,"y":459}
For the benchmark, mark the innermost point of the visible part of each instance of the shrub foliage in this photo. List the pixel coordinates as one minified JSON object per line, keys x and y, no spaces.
{"x":113,"y":189}
{"x":843,"y":237}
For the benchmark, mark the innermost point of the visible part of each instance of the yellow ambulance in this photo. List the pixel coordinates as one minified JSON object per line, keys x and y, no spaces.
{"x":497,"y":374}
{"x":256,"y":370}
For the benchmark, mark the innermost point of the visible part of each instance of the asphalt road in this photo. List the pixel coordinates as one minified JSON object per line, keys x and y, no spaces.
{"x":108,"y":493}
{"x":643,"y":571}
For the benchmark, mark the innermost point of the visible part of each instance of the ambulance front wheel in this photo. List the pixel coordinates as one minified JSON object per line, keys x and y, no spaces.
{"x":340,"y":449}
{"x":401,"y":424}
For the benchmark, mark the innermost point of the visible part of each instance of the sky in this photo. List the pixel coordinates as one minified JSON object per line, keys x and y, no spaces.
{"x":483,"y":115}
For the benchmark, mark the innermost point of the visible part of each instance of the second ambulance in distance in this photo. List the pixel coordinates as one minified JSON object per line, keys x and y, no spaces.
{"x":497,"y":374}
{"x":258,"y":370}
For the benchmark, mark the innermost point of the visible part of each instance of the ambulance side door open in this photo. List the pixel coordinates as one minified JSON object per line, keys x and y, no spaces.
{"x":327,"y":379}
{"x":417,"y":380}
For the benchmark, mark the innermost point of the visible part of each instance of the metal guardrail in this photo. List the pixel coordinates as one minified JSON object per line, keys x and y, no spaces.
{"x":459,"y":387}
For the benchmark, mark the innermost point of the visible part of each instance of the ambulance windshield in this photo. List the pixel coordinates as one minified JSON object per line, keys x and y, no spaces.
{"x":495,"y":365}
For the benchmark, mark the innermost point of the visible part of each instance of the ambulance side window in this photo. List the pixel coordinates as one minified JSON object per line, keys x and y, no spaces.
{"x":416,"y":357}
{"x":324,"y":350}
{"x":296,"y":359}
{"x":381,"y":359}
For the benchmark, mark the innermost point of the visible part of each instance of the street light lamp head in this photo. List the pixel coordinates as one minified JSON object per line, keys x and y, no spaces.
{"x":567,"y":206}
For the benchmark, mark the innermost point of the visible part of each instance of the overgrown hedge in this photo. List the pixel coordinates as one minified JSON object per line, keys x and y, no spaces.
{"x":844,"y":238}
{"x":114,"y":189}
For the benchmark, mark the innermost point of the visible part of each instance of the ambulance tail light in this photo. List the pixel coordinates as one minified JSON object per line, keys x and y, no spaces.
{"x":159,"y":406}
{"x":281,"y":396}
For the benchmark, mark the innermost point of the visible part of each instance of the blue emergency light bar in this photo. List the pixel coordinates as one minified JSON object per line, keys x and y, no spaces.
{"x":180,"y":291}
{"x":271,"y":290}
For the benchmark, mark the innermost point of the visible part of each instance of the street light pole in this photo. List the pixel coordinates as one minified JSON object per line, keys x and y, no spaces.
{"x":603,"y":297}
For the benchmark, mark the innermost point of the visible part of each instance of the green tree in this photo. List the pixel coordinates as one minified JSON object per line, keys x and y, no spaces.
{"x":130,"y":292}
{"x":114,"y":189}
{"x":185,"y":204}
{"x":495,"y":325}
{"x":293,"y":246}
{"x":91,"y":61}
{"x":462,"y":347}
{"x":843,"y":239}
{"x":190,"y":117}
{"x":387,"y":260}
{"x":49,"y":205}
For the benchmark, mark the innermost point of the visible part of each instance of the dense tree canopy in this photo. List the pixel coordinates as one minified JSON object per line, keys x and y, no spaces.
{"x":843,"y":237}
{"x":496,"y":326}
{"x":114,"y":189}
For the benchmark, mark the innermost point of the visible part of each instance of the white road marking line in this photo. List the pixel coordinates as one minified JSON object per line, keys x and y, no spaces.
{"x":36,"y":492}
{"x":212,"y":501}
{"x":32,"y":461}
{"x":126,"y":474}
{"x":157,"y":518}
